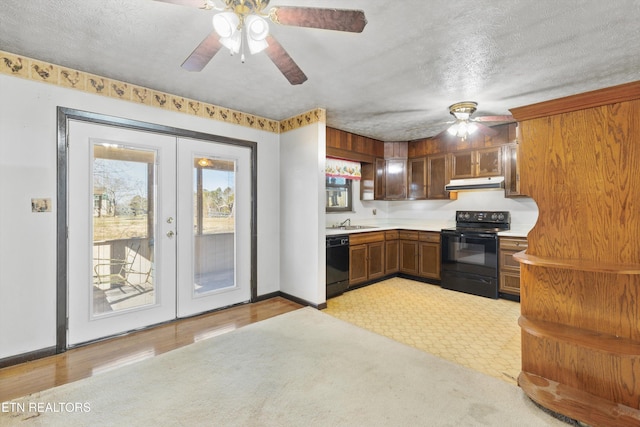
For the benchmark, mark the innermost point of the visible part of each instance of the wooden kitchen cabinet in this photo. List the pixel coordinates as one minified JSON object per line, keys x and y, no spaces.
{"x":376,"y":260}
{"x":391,"y":252}
{"x":409,"y":252}
{"x":512,"y":170}
{"x":437,"y":176}
{"x":429,"y":247}
{"x":420,"y":254}
{"x":417,"y":188}
{"x":477,"y":163}
{"x":462,"y":165}
{"x":366,"y":257}
{"x":379,"y":184}
{"x":389,"y":179}
{"x":357,"y":264}
{"x":396,"y":179}
{"x":509,"y":282}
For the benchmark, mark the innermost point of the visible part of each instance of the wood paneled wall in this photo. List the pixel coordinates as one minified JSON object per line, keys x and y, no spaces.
{"x":360,"y":148}
{"x":353,"y":147}
{"x":445,"y":143}
{"x":580,"y":276}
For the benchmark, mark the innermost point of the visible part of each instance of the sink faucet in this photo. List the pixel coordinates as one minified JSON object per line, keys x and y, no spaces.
{"x":343,"y":223}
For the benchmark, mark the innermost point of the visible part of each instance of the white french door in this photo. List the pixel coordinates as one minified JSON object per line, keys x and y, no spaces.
{"x":158,"y":228}
{"x":214,"y":231}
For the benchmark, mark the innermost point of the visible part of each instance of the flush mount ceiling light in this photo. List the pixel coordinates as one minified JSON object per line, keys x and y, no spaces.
{"x":462,"y":111}
{"x":464,"y":125}
{"x":240,"y":23}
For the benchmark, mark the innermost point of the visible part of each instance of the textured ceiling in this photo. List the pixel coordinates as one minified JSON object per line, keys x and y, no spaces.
{"x":393,"y":82}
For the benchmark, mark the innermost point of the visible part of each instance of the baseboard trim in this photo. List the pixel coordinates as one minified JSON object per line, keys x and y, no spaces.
{"x":27,"y":357}
{"x":301,"y":301}
{"x":267,"y":296}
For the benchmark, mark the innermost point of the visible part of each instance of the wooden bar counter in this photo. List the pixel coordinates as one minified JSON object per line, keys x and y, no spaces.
{"x":580,"y":275}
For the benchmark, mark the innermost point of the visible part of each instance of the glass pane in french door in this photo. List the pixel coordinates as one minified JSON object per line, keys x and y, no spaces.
{"x":214,"y":191}
{"x":123,"y":224}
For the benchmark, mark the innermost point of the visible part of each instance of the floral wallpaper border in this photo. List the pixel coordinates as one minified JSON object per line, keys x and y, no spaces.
{"x":343,"y":168}
{"x":33,"y":69}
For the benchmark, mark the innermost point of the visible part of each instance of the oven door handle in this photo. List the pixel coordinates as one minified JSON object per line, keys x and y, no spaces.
{"x":470,"y":235}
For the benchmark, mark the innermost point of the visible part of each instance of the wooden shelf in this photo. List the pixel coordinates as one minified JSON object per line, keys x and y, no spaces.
{"x":577,"y":404}
{"x":581,"y":337}
{"x":574,"y":264}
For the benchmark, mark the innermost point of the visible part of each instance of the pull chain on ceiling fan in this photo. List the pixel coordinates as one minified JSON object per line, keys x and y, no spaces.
{"x":236,"y":17}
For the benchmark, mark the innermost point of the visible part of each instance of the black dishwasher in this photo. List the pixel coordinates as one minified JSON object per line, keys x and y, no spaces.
{"x":337,"y":265}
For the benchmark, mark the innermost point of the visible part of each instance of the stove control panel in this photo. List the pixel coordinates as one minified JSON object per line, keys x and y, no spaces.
{"x":483,"y":217}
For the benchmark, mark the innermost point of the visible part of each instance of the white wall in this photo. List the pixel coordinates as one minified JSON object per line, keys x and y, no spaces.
{"x":28,"y":170}
{"x":302,"y":221}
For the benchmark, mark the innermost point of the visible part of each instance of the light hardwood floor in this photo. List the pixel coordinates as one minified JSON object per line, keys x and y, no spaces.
{"x":93,"y":359}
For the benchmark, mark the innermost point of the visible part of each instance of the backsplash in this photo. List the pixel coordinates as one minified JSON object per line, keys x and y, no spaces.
{"x":524,"y":211}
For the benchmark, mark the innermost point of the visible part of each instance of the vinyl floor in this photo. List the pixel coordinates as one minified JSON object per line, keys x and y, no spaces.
{"x":476,"y":332}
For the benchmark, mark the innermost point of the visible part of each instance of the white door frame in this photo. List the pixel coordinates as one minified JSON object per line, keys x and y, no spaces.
{"x":63,"y":116}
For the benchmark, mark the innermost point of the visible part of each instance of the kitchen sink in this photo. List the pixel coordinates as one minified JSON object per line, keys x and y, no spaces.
{"x":350,"y":227}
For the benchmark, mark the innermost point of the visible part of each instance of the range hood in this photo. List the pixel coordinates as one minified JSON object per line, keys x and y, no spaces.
{"x":490,"y":183}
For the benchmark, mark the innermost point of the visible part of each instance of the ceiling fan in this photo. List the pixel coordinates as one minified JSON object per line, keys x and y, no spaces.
{"x":235,"y":17}
{"x":464,"y":125}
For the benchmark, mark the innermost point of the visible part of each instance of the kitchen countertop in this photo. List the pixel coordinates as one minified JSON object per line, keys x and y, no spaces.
{"x":437,"y":226}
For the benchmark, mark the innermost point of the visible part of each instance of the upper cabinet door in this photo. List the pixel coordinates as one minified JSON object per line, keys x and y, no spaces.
{"x":379,"y":186}
{"x":489,"y":162}
{"x":512,"y":171}
{"x":417,"y":179}
{"x":462,"y":165}
{"x":437,"y":176}
{"x":477,"y":163}
{"x":396,"y":179}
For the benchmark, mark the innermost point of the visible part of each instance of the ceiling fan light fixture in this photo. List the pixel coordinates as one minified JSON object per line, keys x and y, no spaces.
{"x":257,"y":27}
{"x":463,"y":110}
{"x":257,"y":32}
{"x":232,"y":43}
{"x":226,"y":24}
{"x":462,"y":128}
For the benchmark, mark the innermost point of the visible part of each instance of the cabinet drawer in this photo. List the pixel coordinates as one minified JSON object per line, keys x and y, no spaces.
{"x":510,"y":283}
{"x":360,"y":238}
{"x":513,"y":244}
{"x":507,"y":261}
{"x":430,"y":237}
{"x":391,"y":235}
{"x":409,"y":235}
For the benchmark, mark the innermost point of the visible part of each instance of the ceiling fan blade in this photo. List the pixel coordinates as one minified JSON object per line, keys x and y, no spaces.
{"x":284,"y":62}
{"x":202,"y":54}
{"x":202,"y":4}
{"x":486,"y":130}
{"x":493,"y":119}
{"x":327,"y":19}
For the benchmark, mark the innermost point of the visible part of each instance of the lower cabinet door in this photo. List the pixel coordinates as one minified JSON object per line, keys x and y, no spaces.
{"x":357,"y":264}
{"x":376,"y":260}
{"x":430,"y":260}
{"x":391,"y":256}
{"x":409,"y":257}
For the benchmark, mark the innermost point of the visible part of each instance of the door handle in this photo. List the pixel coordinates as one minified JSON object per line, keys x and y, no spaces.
{"x":170,"y":234}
